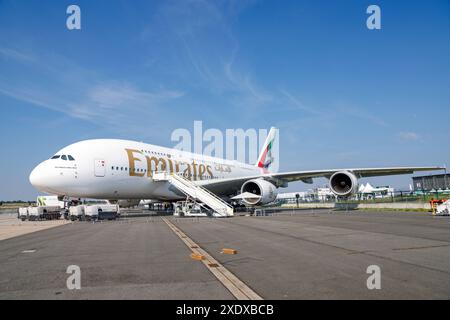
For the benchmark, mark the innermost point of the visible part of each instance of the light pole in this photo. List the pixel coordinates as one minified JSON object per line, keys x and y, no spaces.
{"x":445,"y":177}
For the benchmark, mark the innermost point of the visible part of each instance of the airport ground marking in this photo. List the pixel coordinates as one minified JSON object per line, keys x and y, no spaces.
{"x":29,"y":251}
{"x":237,"y":288}
{"x":196,"y":256}
{"x":229,"y":251}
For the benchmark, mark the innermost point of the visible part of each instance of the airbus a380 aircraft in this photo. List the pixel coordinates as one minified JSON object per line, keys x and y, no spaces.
{"x":122,"y":169}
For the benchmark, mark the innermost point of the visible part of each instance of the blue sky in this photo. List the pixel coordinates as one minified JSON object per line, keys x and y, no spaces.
{"x":341,"y":95}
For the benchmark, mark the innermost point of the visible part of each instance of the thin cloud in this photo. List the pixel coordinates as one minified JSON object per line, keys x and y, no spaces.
{"x":298,"y":104}
{"x":250,"y":93}
{"x":362,"y":114}
{"x":197,"y":42}
{"x":115,"y":103}
{"x":118,"y":105}
{"x":409,"y":136}
{"x":16,"y":55}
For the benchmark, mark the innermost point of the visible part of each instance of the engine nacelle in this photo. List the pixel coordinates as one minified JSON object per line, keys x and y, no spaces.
{"x":264,"y":189}
{"x":343,"y":183}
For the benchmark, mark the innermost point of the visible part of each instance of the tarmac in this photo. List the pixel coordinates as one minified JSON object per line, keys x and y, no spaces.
{"x":11,"y":227}
{"x":306,"y":254}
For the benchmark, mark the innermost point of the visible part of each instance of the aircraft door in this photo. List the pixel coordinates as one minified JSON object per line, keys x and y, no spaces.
{"x":99,"y":168}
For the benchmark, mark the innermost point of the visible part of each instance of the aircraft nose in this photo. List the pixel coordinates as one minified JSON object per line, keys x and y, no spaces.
{"x":37,"y":176}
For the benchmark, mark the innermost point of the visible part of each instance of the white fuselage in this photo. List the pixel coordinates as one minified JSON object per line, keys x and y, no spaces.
{"x":123,"y":169}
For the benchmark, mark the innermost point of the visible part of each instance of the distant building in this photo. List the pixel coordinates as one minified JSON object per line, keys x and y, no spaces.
{"x":291,"y":196}
{"x":431,"y":182}
{"x":323,"y":194}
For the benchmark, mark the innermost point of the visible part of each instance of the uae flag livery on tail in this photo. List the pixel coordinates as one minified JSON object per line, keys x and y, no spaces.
{"x":266,"y":156}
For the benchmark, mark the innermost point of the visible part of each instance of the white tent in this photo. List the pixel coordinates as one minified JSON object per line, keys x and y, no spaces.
{"x":369,"y":189}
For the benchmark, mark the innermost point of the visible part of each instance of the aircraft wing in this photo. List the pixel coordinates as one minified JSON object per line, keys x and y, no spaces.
{"x":231,"y":185}
{"x":359,"y":172}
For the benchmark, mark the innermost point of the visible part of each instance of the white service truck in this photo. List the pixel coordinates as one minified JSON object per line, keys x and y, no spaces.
{"x":23,"y":213}
{"x":443,"y":209}
{"x":77,"y":212}
{"x":44,"y":213}
{"x":47,"y":208}
{"x":49,"y":201}
{"x":101,"y":212}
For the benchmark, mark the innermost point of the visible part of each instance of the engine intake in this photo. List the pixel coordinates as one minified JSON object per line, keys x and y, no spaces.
{"x":343,"y":183}
{"x":266,"y":191}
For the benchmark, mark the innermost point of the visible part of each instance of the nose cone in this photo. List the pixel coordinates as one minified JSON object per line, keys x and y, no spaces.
{"x":38,"y":177}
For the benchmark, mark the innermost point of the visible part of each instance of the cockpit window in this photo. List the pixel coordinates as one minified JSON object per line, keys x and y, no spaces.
{"x":56,"y":156}
{"x":64,"y":157}
{"x":70,"y":158}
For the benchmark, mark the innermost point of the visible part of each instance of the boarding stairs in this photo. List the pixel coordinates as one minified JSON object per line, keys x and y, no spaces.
{"x":190,"y":189}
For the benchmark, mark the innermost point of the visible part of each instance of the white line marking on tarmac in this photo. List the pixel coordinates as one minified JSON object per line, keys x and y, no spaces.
{"x":29,"y":251}
{"x":237,"y":288}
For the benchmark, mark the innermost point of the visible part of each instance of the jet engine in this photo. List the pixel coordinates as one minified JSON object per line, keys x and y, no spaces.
{"x":343,"y":183}
{"x":265,"y":191}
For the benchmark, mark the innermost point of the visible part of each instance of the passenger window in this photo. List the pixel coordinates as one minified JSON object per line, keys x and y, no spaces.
{"x":70,"y":158}
{"x":121,"y":168}
{"x":55,"y":157}
{"x":112,"y":168}
{"x":64,"y":157}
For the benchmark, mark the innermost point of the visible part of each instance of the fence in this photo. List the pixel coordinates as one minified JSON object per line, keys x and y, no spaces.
{"x":385,"y":197}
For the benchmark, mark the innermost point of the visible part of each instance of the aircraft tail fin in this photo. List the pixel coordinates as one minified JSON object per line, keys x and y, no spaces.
{"x":266,"y":156}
